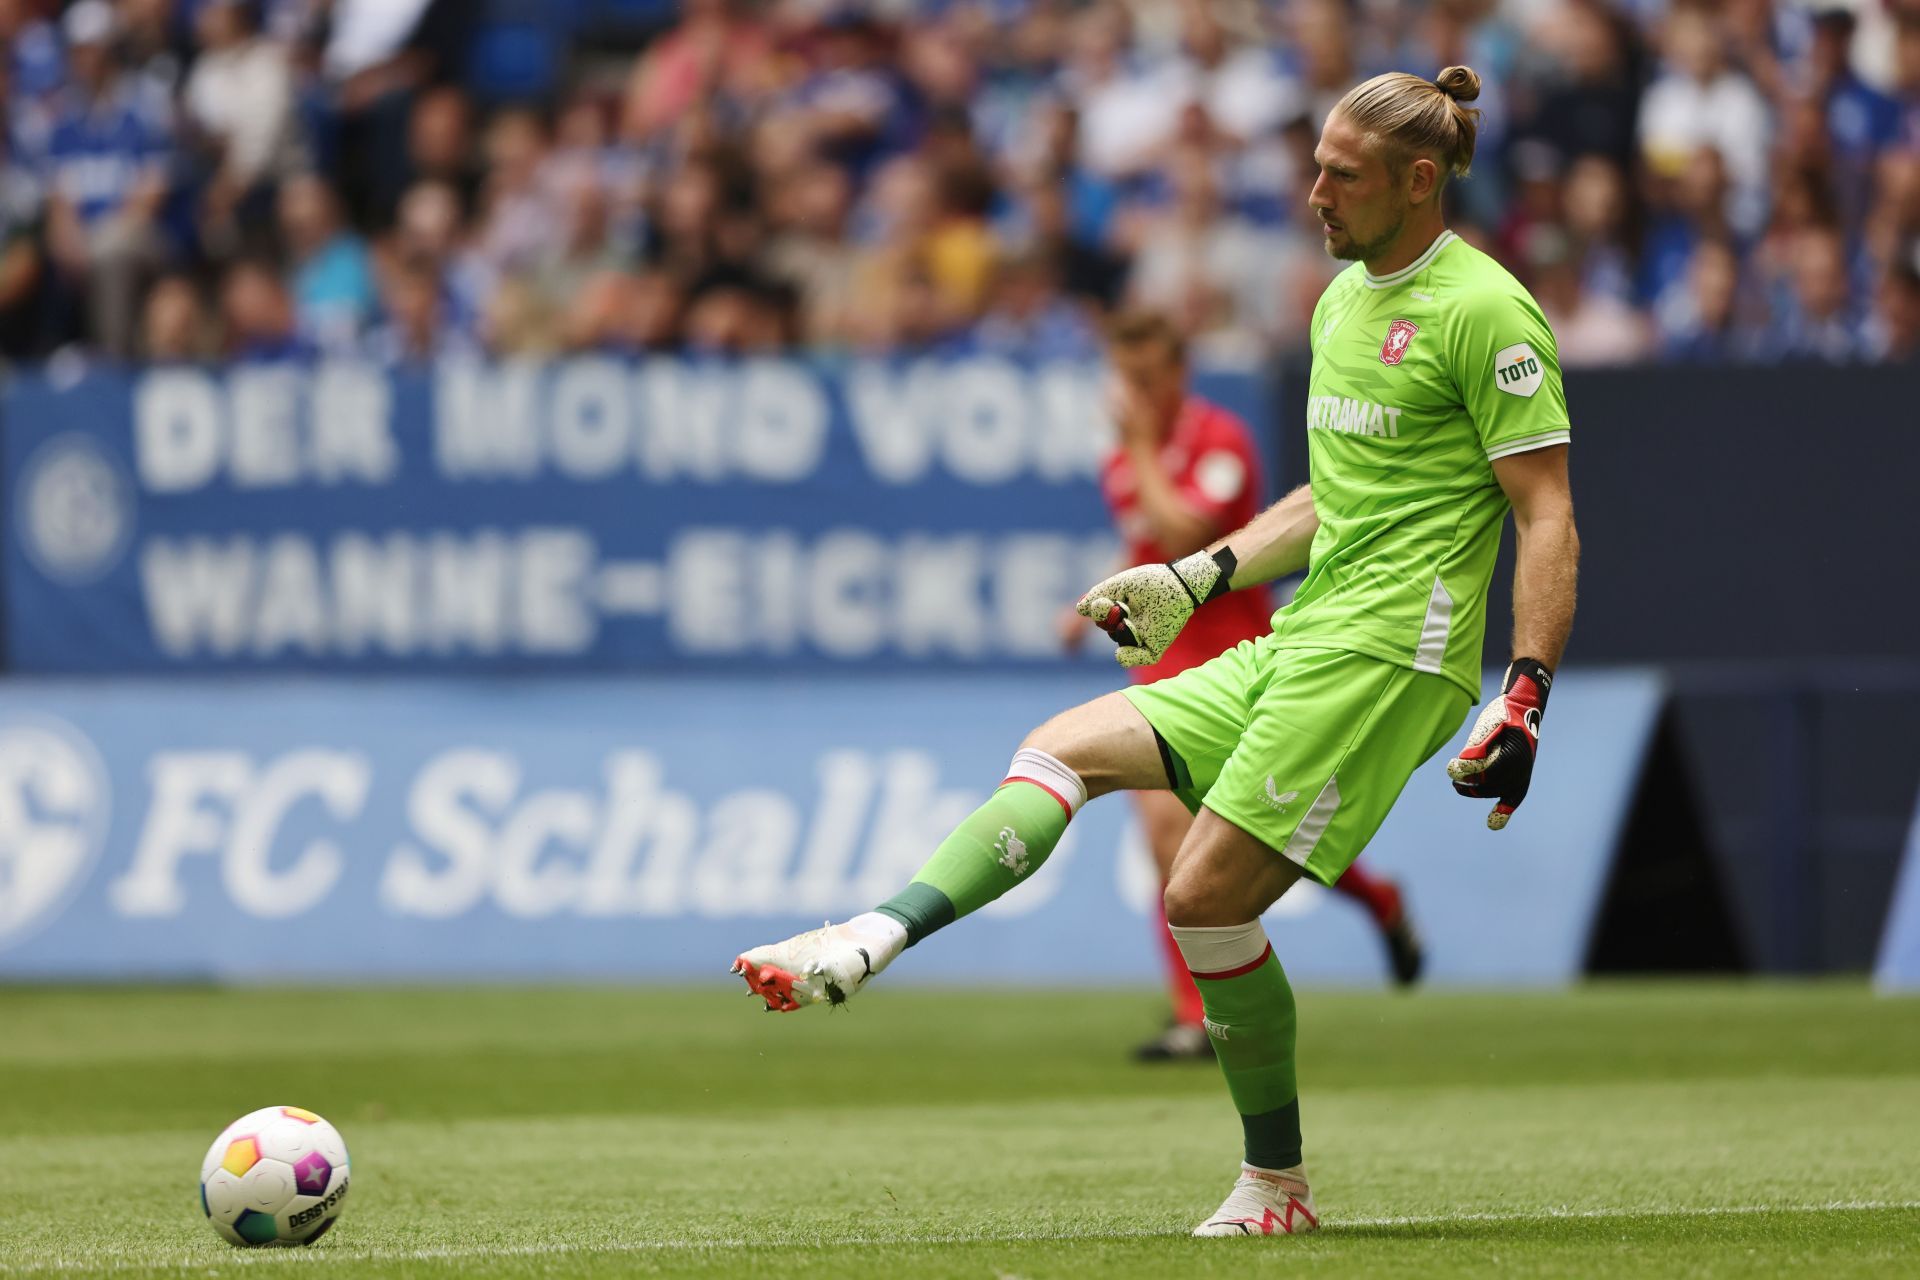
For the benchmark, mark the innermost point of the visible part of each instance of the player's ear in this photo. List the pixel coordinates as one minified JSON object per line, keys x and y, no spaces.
{"x":1423,"y":179}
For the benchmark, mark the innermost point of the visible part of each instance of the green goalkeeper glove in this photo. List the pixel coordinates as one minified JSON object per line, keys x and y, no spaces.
{"x":1144,"y":608}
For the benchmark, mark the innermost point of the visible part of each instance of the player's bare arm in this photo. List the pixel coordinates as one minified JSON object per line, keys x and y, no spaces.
{"x":1497,"y":761}
{"x":1547,"y":551}
{"x":1275,"y":543}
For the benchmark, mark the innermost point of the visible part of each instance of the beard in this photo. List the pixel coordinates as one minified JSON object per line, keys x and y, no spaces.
{"x":1354,"y":251}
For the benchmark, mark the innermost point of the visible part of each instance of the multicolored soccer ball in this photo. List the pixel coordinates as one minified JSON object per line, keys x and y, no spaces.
{"x":274,"y":1176}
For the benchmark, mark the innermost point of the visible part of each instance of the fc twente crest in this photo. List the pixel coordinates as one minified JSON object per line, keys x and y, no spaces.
{"x":1399,"y":335}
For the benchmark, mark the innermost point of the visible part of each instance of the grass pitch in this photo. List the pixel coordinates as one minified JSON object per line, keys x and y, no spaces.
{"x":1622,"y":1130}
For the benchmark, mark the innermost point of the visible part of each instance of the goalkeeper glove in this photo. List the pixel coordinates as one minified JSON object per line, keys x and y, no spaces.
{"x":1498,"y":758}
{"x":1143,"y":608}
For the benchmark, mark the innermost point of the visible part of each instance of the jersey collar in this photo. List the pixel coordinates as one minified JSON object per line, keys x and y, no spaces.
{"x":1413,"y":268}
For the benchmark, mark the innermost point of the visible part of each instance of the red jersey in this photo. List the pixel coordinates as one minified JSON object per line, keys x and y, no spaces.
{"x":1211,"y":458}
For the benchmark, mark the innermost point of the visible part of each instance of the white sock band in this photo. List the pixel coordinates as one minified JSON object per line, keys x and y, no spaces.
{"x":1224,"y":951}
{"x":885,"y":937}
{"x":1033,"y":765}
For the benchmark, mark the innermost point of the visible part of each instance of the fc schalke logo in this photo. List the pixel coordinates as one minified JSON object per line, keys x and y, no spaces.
{"x":1399,"y":335}
{"x":53,"y":819}
{"x":75,"y":510}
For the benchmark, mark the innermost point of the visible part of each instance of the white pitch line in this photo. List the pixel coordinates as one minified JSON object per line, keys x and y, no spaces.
{"x":448,"y":1253}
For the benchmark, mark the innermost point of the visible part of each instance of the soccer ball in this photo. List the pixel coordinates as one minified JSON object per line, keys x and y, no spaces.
{"x":274,"y":1176}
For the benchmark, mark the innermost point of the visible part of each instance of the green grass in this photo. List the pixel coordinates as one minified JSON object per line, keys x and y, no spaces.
{"x":1622,"y":1130}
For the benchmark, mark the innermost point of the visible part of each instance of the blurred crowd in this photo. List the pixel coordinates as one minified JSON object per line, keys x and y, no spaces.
{"x":263,"y":179}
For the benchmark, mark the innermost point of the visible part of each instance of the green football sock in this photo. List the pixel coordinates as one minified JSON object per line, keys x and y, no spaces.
{"x":999,"y":844}
{"x":1250,"y":1015}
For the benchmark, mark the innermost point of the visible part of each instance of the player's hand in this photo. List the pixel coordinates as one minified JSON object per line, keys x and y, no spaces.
{"x":1143,"y":608}
{"x":1133,"y":417}
{"x":1498,"y":758}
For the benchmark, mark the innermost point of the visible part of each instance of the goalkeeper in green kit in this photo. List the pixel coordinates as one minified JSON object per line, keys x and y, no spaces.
{"x":1435,"y":408}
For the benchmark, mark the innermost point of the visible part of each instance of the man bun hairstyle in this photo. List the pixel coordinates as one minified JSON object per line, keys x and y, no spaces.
{"x":1409,"y":117}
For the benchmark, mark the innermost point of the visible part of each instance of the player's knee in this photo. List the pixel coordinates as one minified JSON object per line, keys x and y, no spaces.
{"x":1203,"y":896}
{"x":1071,"y":740}
{"x":1191,"y":903}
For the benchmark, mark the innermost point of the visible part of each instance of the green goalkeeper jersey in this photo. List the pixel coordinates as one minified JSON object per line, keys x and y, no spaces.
{"x":1420,"y":380}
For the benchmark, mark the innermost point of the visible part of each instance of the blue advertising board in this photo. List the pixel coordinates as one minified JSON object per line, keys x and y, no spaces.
{"x":592,"y":514}
{"x":647,"y":829}
{"x":1898,"y":968}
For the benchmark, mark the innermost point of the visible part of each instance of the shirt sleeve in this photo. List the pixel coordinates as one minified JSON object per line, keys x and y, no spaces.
{"x":1216,"y":480}
{"x":1506,"y":367}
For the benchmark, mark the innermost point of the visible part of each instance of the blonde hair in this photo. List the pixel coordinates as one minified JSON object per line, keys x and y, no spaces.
{"x":1409,"y":117}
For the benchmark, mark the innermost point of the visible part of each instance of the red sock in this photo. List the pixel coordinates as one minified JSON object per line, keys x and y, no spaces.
{"x":1186,"y":997}
{"x":1380,"y":896}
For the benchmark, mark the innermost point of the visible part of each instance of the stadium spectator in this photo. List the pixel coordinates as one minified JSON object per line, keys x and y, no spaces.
{"x":415,"y":327}
{"x":931,"y":260}
{"x":150,"y":43}
{"x":1698,"y":319}
{"x":175,"y":327}
{"x":1597,"y":208}
{"x":258,"y":313}
{"x":1322,"y":31}
{"x":1120,"y":122}
{"x":1893,"y":224}
{"x":522,"y":208}
{"x":109,"y":170}
{"x":36,"y":64}
{"x":1207,"y":266}
{"x":23,"y":269}
{"x":1088,"y":270}
{"x":240,"y":101}
{"x":654,"y":309}
{"x":1587,"y":103}
{"x":861,"y":177}
{"x":1906,"y":79}
{"x":432,"y":236}
{"x":1893,"y":332}
{"x":576,"y":249}
{"x":717,"y":51}
{"x":1050,"y":160}
{"x":1235,"y":76}
{"x":1859,"y":120}
{"x":1812,"y":319}
{"x":1699,"y":100}
{"x":810,"y":252}
{"x":1030,"y":318}
{"x":440,"y":144}
{"x":738,"y":316}
{"x":854,"y":102}
{"x":596,"y":318}
{"x":1683,"y":213}
{"x":1592,"y":328}
{"x":333,"y":290}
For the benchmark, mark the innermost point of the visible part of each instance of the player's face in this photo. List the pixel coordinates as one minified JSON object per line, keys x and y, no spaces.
{"x":1153,"y":373}
{"x":1361,"y":203}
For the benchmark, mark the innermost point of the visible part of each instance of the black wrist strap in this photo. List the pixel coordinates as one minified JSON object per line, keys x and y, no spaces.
{"x":1228,"y":562}
{"x":1224,"y":560}
{"x":1534,"y":670}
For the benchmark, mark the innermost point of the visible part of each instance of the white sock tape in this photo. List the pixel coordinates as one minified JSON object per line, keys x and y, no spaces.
{"x":1216,"y":951}
{"x":1033,"y":765}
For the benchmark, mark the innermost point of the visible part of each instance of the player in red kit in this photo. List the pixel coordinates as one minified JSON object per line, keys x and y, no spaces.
{"x":1183,"y":473}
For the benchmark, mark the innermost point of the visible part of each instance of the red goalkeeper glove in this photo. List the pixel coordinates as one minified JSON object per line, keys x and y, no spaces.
{"x":1498,"y":758}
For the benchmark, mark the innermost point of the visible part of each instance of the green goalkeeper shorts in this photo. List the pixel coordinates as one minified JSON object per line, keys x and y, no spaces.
{"x":1306,"y":749}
